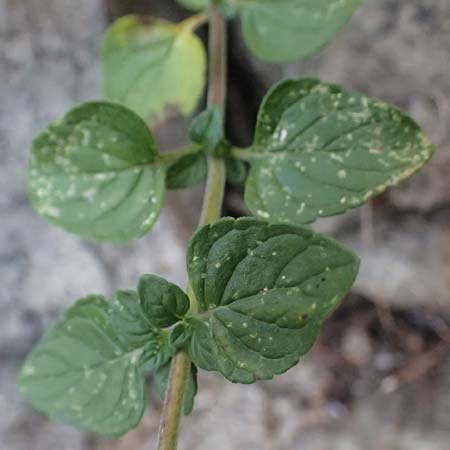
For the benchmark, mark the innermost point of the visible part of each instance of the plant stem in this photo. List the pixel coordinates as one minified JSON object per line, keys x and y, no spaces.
{"x":173,"y":156}
{"x":212,"y":205}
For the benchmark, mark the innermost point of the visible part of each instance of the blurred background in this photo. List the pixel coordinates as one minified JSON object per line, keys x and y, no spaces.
{"x":379,"y":377}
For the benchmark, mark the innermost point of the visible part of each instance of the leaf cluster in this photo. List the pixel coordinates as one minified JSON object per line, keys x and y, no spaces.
{"x":260,"y":287}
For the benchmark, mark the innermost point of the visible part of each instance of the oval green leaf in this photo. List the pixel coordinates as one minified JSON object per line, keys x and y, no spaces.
{"x":262,"y":291}
{"x":151,"y":65}
{"x":82,"y":374}
{"x":319,"y":151}
{"x":96,"y":172}
{"x":161,"y":302}
{"x":284,"y":30}
{"x":135,"y":330}
{"x":188,"y":171}
{"x":207,"y":129}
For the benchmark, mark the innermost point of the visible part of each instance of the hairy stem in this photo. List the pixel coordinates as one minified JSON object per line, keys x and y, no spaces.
{"x":212,"y":205}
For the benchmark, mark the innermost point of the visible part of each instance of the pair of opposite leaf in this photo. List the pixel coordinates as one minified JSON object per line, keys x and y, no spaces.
{"x":317,"y":151}
{"x":140,"y":51}
{"x":260,"y":293}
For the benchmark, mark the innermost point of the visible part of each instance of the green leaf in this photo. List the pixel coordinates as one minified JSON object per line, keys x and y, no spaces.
{"x":97,"y":173}
{"x":319,"y":151}
{"x":135,"y":330}
{"x":237,"y":171}
{"x":187,"y":171}
{"x":195,"y":5}
{"x":82,"y":374}
{"x":284,"y":30}
{"x":262,"y":291}
{"x":161,"y":302}
{"x":228,"y":11}
{"x":151,"y":65}
{"x":207,"y":129}
{"x":161,"y":381}
{"x":180,"y":335}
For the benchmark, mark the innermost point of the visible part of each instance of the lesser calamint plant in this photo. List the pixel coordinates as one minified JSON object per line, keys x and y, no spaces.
{"x":259,"y":287}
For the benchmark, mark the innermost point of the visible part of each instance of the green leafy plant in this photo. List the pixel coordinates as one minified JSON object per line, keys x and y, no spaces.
{"x":259,"y":287}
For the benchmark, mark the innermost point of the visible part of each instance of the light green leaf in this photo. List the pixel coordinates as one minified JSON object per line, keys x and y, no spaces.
{"x":262,"y":291}
{"x":97,"y":173}
{"x":284,"y":30}
{"x":319,"y":151}
{"x":161,"y":381}
{"x":135,"y":329}
{"x":161,"y":302}
{"x":195,"y":5}
{"x":151,"y":65}
{"x":207,"y":129}
{"x":187,"y":171}
{"x":82,"y":374}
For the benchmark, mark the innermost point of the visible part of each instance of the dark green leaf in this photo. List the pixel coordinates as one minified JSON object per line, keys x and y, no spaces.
{"x":82,"y":374}
{"x":262,"y":291}
{"x":207,"y":129}
{"x":161,"y":302}
{"x":161,"y":380}
{"x":97,"y":173}
{"x":187,"y":171}
{"x":151,"y":65}
{"x":134,"y":328}
{"x":180,"y":335}
{"x":319,"y":151}
{"x":237,"y":171}
{"x":284,"y":30}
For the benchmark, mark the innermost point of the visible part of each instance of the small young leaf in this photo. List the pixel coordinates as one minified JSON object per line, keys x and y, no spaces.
{"x":207,"y":129}
{"x":82,"y":374}
{"x":319,"y":151}
{"x":180,"y":335}
{"x":187,"y":171}
{"x":135,"y":330}
{"x":96,"y":172}
{"x":162,"y":378}
{"x":151,"y":65}
{"x":262,"y":291}
{"x":161,"y":302}
{"x":237,"y":171}
{"x":284,"y":30}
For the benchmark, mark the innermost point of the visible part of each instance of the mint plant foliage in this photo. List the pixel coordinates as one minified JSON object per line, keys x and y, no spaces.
{"x":260,"y":287}
{"x":88,"y":370}
{"x":85,"y":373}
{"x":284,"y":30}
{"x":319,"y":150}
{"x":97,"y":172}
{"x":187,"y":171}
{"x":263,"y":291}
{"x":207,"y":129}
{"x":142,"y":51}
